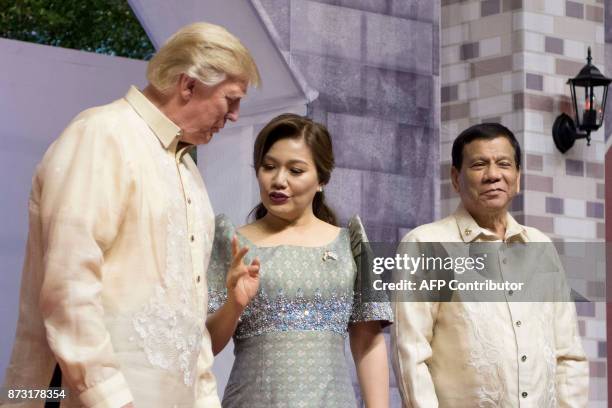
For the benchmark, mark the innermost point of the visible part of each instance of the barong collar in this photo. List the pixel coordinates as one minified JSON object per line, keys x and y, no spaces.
{"x":470,"y":230}
{"x":166,"y":131}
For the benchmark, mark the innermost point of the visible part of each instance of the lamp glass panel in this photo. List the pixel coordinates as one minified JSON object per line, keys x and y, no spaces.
{"x":581,"y":103}
{"x":598,"y":93}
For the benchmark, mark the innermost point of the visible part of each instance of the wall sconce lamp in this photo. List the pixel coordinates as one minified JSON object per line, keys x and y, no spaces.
{"x":589,"y":92}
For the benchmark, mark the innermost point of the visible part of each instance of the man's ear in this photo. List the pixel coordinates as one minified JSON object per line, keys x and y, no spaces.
{"x":186,"y":85}
{"x":455,"y":178}
{"x":518,"y":182}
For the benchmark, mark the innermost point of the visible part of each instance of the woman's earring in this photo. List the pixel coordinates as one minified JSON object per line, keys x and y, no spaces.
{"x":320,"y":189}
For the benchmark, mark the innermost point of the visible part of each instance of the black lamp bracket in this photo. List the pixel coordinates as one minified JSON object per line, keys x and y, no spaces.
{"x":565,"y":133}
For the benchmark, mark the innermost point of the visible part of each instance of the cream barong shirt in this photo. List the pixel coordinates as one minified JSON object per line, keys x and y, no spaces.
{"x":486,"y":354}
{"x":114,"y":281}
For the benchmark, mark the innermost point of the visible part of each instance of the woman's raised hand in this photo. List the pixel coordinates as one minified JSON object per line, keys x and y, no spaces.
{"x":242,"y":280}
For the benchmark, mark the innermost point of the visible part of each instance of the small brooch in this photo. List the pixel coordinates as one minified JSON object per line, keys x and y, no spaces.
{"x":329,"y":255}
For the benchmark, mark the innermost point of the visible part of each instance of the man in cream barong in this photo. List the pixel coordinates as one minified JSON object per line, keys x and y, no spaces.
{"x":486,"y":354}
{"x":121,"y":228}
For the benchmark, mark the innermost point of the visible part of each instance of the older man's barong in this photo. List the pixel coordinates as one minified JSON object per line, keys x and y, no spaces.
{"x":486,"y":354}
{"x":120,"y":235}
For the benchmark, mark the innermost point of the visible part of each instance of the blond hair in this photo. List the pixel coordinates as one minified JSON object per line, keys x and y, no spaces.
{"x":204,"y":51}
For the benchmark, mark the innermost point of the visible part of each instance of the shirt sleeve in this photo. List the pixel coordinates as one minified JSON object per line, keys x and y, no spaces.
{"x":84,"y":183}
{"x":368,"y":305}
{"x":206,"y":385}
{"x":572,"y":373}
{"x":220,"y":260}
{"x":411,"y":337}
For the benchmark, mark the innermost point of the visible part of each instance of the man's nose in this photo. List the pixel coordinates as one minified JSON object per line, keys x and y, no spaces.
{"x":492,"y":173}
{"x":233,"y":113}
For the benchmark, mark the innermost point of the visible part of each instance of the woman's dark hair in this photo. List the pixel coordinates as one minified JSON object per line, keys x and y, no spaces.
{"x":487,"y":131}
{"x":316,"y":137}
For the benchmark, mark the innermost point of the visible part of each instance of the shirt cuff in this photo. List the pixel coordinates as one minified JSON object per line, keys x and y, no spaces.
{"x":209,"y":401}
{"x":111,"y":393}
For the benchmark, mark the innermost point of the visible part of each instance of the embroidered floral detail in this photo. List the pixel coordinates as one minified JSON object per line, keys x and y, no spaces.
{"x":171,"y":325}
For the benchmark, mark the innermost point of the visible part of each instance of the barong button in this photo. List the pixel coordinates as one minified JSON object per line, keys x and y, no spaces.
{"x":518,"y":323}
{"x":467,"y":231}
{"x":524,"y":358}
{"x":510,"y":292}
{"x":188,"y":200}
{"x":198,"y":279}
{"x":192,"y":238}
{"x":505,"y":261}
{"x":524,"y":394}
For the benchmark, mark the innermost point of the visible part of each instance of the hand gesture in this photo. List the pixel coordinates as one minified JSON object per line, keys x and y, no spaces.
{"x":242,"y":280}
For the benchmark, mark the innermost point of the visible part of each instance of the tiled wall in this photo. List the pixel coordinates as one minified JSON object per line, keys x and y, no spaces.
{"x":375,"y":66}
{"x":508,"y":61}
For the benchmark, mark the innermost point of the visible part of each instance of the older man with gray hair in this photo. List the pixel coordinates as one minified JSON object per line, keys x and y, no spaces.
{"x":516,"y":351}
{"x":121,"y":227}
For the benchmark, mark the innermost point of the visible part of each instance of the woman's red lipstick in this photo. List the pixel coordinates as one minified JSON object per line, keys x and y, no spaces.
{"x":278,"y":197}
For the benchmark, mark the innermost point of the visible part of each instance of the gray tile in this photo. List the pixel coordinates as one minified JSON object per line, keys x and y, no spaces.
{"x":382,"y":233}
{"x":608,"y":24}
{"x":574,"y":9}
{"x":595,"y":170}
{"x":436,"y":48}
{"x":602,"y":349}
{"x":278,"y":11}
{"x":544,"y":224}
{"x":535,"y":162}
{"x":402,"y":97}
{"x":491,"y":66}
{"x":533,"y":102}
{"x":601,"y":230}
{"x":534,"y":182}
{"x":322,"y":29}
{"x":445,"y":169}
{"x":364,"y":143}
{"x":596,"y":290}
{"x":594,"y":13}
{"x":374,"y":6}
{"x":455,"y":111}
{"x":389,"y":198}
{"x":489,"y":7}
{"x":344,"y":193}
{"x":574,"y":167}
{"x":511,"y":5}
{"x":567,"y":67}
{"x":554,"y":205}
{"x":422,"y":10}
{"x":601,"y":191}
{"x":469,"y":51}
{"x":447,"y":191}
{"x":331,"y":76}
{"x":449,"y":93}
{"x":594,"y":210}
{"x":553,"y":45}
{"x":585,"y":309}
{"x":534,"y":81}
{"x":517,"y":204}
{"x":398,"y":43}
{"x":419,"y":151}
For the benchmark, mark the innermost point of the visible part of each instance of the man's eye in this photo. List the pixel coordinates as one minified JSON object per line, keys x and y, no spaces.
{"x":505,"y":164}
{"x":478,"y":164}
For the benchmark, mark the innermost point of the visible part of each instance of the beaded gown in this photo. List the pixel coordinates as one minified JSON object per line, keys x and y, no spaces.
{"x":289,"y":343}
